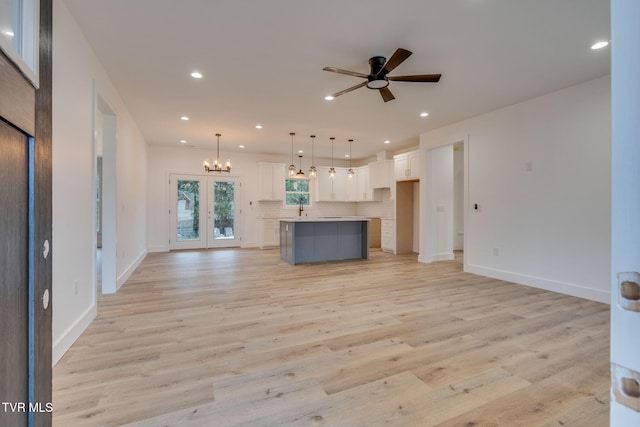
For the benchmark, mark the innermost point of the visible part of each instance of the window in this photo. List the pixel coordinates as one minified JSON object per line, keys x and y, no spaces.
{"x":19,"y":35}
{"x":296,"y":191}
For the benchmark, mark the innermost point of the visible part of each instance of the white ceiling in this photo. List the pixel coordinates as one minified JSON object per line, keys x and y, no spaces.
{"x":262,"y":63}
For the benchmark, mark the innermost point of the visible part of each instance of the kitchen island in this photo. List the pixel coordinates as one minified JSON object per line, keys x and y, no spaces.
{"x":323,"y":239}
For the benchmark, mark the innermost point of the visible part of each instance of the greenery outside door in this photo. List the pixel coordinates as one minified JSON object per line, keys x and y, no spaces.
{"x":203,"y":212}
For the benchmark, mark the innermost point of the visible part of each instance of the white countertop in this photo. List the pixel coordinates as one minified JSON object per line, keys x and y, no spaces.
{"x":324,"y":218}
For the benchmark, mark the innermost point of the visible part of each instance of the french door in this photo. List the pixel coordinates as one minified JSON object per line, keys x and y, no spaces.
{"x":204,"y":212}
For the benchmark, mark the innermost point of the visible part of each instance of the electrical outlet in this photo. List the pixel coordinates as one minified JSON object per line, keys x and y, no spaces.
{"x":496,"y":252}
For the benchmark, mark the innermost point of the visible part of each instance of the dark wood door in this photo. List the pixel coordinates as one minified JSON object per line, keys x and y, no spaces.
{"x":25,"y":226}
{"x":14,"y":275}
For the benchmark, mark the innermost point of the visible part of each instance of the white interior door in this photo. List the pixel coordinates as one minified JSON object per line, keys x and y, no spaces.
{"x":203,"y":212}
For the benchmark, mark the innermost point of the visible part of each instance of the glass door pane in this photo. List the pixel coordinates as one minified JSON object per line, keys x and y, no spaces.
{"x":223,"y":213}
{"x":224,"y":209}
{"x":188,"y":210}
{"x":187,"y":230}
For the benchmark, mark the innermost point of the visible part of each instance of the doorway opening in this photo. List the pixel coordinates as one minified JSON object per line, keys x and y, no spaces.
{"x":458,"y":196}
{"x":407,"y":217}
{"x":446,"y":189}
{"x":105,"y":212}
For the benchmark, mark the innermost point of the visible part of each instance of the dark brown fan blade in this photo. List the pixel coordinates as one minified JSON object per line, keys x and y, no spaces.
{"x":432,"y":78}
{"x":386,"y":94}
{"x":398,"y":57}
{"x":342,"y":92}
{"x":348,"y":73}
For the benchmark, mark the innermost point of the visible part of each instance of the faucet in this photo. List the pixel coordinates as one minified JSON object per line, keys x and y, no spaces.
{"x":301,"y":208}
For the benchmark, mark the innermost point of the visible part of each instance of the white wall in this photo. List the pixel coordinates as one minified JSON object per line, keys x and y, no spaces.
{"x":75,"y":72}
{"x":540,"y":173}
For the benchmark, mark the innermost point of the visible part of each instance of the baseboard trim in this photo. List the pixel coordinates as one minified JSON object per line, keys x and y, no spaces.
{"x":250,"y":244}
{"x":540,"y":283}
{"x":152,"y":249}
{"x":446,"y":256}
{"x":70,"y":336}
{"x":132,"y":267}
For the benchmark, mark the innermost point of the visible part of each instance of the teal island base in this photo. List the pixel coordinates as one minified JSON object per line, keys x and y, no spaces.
{"x":313,"y":240}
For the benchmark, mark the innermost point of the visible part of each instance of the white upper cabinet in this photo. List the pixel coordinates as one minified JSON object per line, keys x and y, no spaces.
{"x":407,"y":166}
{"x":340,"y":185}
{"x":363,"y":185}
{"x":352,"y":187}
{"x":381,"y":174}
{"x":271,"y":181}
{"x":330,"y":190}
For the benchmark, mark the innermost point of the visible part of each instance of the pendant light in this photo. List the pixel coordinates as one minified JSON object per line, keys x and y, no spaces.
{"x":312,"y":169}
{"x":292,"y":167}
{"x":332,"y":170}
{"x":217,"y":166}
{"x":350,"y":172}
{"x":300,"y":174}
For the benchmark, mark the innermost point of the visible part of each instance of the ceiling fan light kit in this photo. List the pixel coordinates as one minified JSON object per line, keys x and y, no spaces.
{"x":377,"y":79}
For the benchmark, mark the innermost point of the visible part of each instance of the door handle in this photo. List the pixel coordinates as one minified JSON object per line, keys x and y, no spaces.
{"x":45,"y":299}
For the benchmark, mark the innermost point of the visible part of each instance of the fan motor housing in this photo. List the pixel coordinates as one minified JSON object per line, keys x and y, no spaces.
{"x":376,"y":81}
{"x":376,"y":63}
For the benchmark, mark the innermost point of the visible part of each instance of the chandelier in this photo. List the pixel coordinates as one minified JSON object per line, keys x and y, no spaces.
{"x":217,"y":166}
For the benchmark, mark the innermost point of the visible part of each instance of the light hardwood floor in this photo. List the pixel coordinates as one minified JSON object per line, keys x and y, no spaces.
{"x":238,"y":337}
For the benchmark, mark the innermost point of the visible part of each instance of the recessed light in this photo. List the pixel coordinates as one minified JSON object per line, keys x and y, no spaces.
{"x":300,"y":151}
{"x":346,"y":155}
{"x":424,"y":114}
{"x":329,"y":98}
{"x":185,"y":118}
{"x":196,"y":75}
{"x":258,"y":126}
{"x":183,"y":141}
{"x":599,"y":45}
{"x":387,"y":142}
{"x":9,"y":33}
{"x":241,"y":146}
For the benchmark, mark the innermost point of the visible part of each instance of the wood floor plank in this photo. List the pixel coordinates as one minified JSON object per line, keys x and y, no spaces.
{"x":239,"y":338}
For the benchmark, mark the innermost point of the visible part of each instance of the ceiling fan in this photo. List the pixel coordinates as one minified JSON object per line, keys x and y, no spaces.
{"x":378,"y":78}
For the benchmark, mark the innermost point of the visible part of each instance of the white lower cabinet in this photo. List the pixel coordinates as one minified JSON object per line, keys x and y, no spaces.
{"x":269,"y":233}
{"x":387,"y":238}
